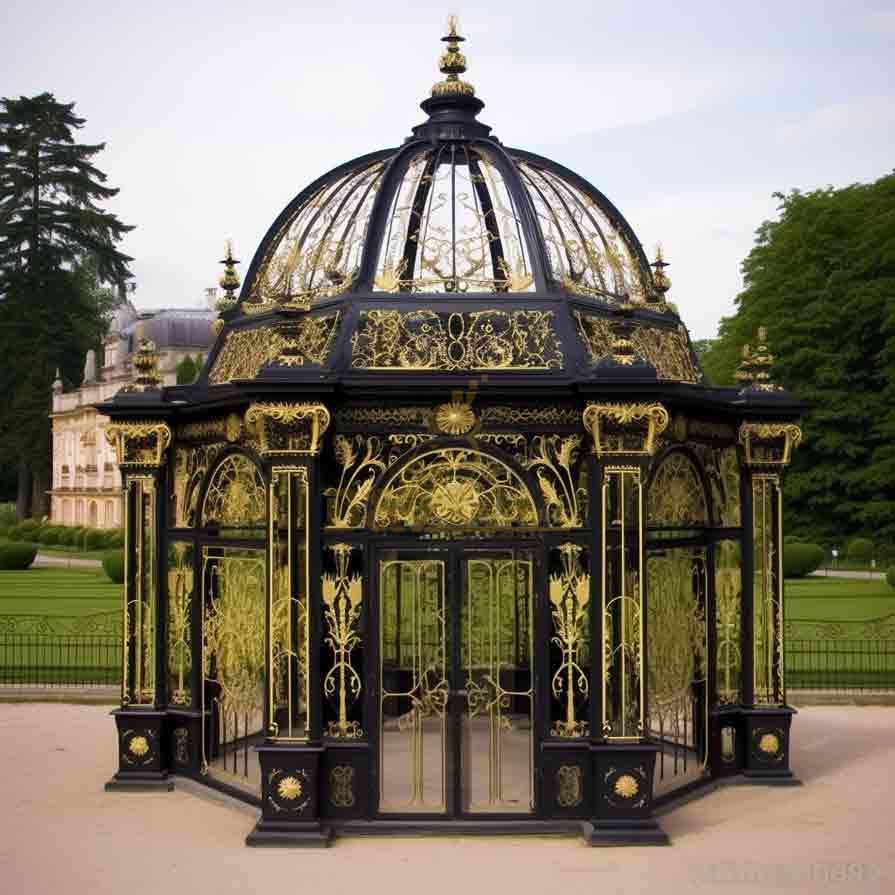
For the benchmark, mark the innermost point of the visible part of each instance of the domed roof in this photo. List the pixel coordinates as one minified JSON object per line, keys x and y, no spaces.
{"x":516,"y":265}
{"x":450,"y":211}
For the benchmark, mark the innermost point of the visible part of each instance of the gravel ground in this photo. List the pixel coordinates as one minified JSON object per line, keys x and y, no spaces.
{"x":60,"y":833}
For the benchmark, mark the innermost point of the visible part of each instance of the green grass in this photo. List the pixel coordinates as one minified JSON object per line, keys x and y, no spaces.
{"x":58,"y":592}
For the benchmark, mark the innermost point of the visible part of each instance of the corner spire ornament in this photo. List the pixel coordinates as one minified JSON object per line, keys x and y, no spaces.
{"x":754,"y":371}
{"x":146,"y":376}
{"x":661,"y":282}
{"x":229,"y":281}
{"x":452,"y":64}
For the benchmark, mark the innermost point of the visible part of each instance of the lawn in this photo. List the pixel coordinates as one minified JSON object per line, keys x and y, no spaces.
{"x":838,"y":598}
{"x":58,"y":592}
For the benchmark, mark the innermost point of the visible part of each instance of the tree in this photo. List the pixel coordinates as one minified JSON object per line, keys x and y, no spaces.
{"x":57,"y":248}
{"x":701,"y":346}
{"x":186,"y":371}
{"x":822,"y":278}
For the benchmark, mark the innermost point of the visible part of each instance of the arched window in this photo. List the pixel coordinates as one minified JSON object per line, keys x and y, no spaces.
{"x":109,"y":514}
{"x":93,"y":514}
{"x":676,"y":494}
{"x":235,"y":499}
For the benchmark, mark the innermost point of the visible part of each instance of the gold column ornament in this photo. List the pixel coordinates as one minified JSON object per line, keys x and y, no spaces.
{"x":625,"y":428}
{"x":452,"y":64}
{"x":754,"y":371}
{"x":342,"y":595}
{"x":144,"y":363}
{"x":769,"y":444}
{"x":139,"y":443}
{"x":282,"y":428}
{"x":569,"y":600}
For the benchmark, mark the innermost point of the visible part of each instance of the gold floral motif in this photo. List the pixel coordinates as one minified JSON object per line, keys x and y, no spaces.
{"x":626,"y":786}
{"x":668,"y":350}
{"x":769,"y":743}
{"x":289,"y":788}
{"x":455,"y":418}
{"x":235,"y":497}
{"x":138,"y":746}
{"x":242,"y":355}
{"x":676,"y":495}
{"x":569,"y":601}
{"x":475,"y":340}
{"x":342,"y":595}
{"x":361,"y":461}
{"x":180,"y":593}
{"x":552,"y":460}
{"x":456,"y":486}
{"x":569,"y":788}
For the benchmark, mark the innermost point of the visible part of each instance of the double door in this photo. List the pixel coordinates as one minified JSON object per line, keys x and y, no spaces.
{"x":456,"y":681}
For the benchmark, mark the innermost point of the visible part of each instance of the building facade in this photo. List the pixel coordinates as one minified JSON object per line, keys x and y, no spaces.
{"x":86,"y":486}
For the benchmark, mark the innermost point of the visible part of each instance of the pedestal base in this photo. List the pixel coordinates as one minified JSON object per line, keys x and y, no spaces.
{"x":771,"y":778}
{"x":135,"y":782}
{"x":632,"y":832}
{"x":289,"y":834}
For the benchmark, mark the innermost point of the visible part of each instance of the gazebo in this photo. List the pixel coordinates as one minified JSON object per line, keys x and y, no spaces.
{"x":451,"y":534}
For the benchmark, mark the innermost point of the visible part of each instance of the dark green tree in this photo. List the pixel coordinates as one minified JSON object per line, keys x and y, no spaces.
{"x":822,"y":279}
{"x":57,"y":245}
{"x":186,"y":371}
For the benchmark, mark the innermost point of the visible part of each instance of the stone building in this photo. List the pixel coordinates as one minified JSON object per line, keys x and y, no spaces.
{"x":86,"y":487}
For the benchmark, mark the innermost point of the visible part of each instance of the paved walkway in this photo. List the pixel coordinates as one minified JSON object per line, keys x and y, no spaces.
{"x":848,"y":573}
{"x":42,"y":560}
{"x":60,"y":833}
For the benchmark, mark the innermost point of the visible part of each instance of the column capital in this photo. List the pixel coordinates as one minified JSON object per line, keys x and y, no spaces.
{"x":769,"y":444}
{"x":140,"y":444}
{"x":287,"y":429}
{"x":619,"y":429}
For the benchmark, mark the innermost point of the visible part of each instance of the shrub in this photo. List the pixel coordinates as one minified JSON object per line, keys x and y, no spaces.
{"x":15,"y":533}
{"x":860,"y":549}
{"x":7,"y":514}
{"x":800,"y":559}
{"x":17,"y":556}
{"x":50,"y":535}
{"x":94,"y":539}
{"x":69,"y":536}
{"x":113,"y":565}
{"x":890,"y":577}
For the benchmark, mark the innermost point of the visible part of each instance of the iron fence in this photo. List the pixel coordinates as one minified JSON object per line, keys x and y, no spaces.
{"x":59,"y":651}
{"x":841,"y":655}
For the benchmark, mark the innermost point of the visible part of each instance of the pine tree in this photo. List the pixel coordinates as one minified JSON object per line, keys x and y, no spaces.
{"x":186,"y":371}
{"x":57,"y":246}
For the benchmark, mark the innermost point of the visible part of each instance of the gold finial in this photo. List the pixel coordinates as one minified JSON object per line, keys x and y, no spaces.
{"x":230,"y":279}
{"x":754,"y":371}
{"x":453,"y":64}
{"x":144,"y":364}
{"x":660,"y":279}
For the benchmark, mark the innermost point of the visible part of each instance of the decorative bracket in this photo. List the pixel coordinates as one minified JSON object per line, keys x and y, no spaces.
{"x":769,"y":444}
{"x":288,"y":429}
{"x":625,"y":428}
{"x":139,"y":444}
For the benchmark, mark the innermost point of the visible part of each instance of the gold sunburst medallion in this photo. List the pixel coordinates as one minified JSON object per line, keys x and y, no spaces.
{"x":138,"y":746}
{"x":626,"y":786}
{"x":290,"y":788}
{"x":769,"y":743}
{"x":454,"y":418}
{"x":456,"y":502}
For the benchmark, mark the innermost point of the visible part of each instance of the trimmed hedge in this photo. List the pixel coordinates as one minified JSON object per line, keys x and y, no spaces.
{"x":801,"y":559}
{"x":94,"y":539}
{"x":890,"y":577}
{"x":17,"y":556}
{"x":860,"y":548}
{"x":113,"y":566}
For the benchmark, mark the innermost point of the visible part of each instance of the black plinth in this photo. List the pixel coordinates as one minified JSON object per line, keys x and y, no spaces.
{"x":290,"y":788}
{"x":767,"y":733}
{"x":623,"y":795}
{"x":141,"y":759}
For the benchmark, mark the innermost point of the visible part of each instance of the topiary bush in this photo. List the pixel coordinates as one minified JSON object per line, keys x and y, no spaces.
{"x":801,"y":559}
{"x":17,"y":556}
{"x":113,"y":565}
{"x":860,"y":549}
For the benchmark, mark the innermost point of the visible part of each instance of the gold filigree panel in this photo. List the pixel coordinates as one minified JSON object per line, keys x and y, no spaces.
{"x":246,"y":352}
{"x":666,"y":349}
{"x":474,"y":340}
{"x":728,"y":609}
{"x":191,"y":466}
{"x":235,"y":497}
{"x":455,"y":488}
{"x":767,"y":601}
{"x":181,"y":587}
{"x":676,"y":495}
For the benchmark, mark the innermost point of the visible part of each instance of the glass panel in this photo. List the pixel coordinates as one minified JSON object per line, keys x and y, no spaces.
{"x":676,"y":494}
{"x":496,"y":655}
{"x":138,"y":679}
{"x":235,"y":501}
{"x":289,"y":643}
{"x":570,"y":644}
{"x":233,"y":659}
{"x":677,"y":647}
{"x":181,"y":588}
{"x":413,"y":685}
{"x":767,"y":598}
{"x":622,"y":602}
{"x":728,"y":612}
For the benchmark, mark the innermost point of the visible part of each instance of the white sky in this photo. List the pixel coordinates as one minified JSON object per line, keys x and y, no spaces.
{"x":687,"y":115}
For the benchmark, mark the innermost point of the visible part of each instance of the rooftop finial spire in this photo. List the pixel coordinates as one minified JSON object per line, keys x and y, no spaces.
{"x":453,"y":64}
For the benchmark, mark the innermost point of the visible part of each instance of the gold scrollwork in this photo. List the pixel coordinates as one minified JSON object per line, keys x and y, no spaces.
{"x":569,"y":601}
{"x":139,"y":443}
{"x":676,"y":495}
{"x":552,"y":459}
{"x":769,"y":444}
{"x":526,"y":416}
{"x":342,"y":596}
{"x":668,"y":350}
{"x":382,"y":416}
{"x":475,"y":340}
{"x":191,"y":465}
{"x":235,"y":495}
{"x":180,"y":594}
{"x":341,"y":786}
{"x":569,"y":786}
{"x":625,"y":428}
{"x":361,"y":461}
{"x":288,"y":428}
{"x":457,"y":487}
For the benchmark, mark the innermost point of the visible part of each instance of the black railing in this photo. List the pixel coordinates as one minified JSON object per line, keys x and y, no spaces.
{"x":848,"y":656}
{"x":59,"y":651}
